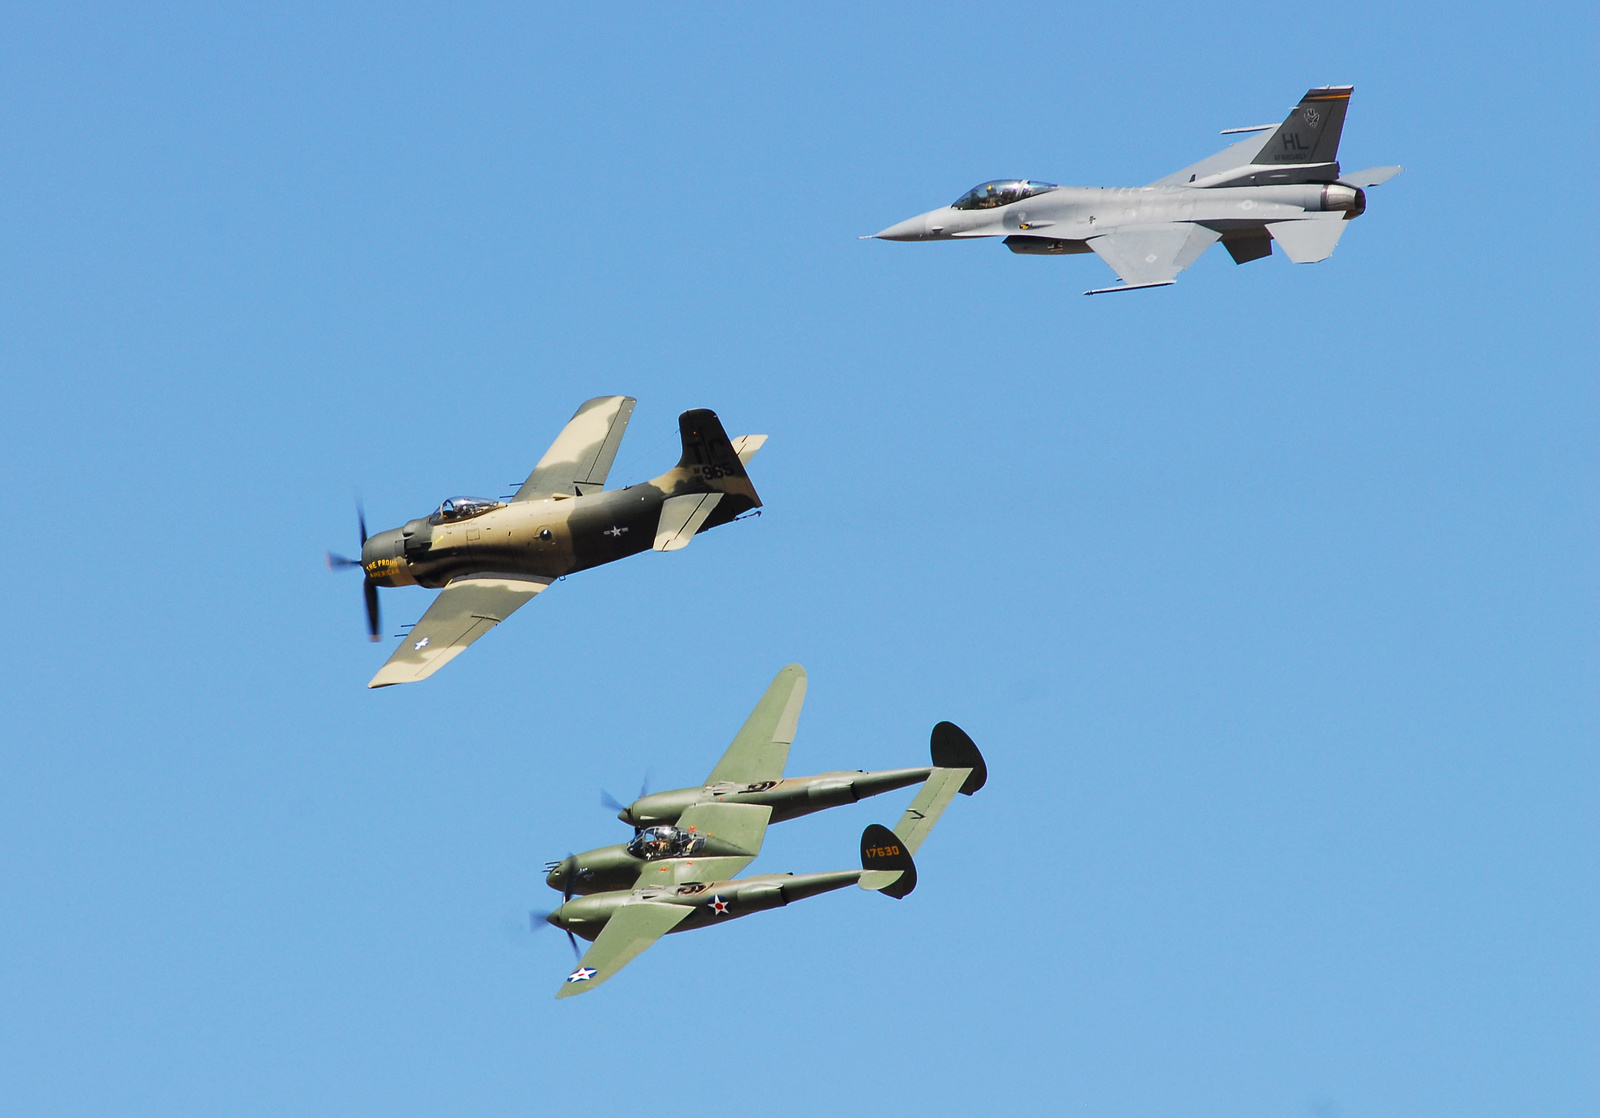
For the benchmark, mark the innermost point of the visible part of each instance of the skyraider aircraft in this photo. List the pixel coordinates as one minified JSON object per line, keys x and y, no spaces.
{"x":684,"y":834}
{"x":1289,"y":190}
{"x":489,"y":556}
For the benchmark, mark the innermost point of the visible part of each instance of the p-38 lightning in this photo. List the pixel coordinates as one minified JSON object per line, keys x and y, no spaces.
{"x":1289,"y":189}
{"x":673,"y":830}
{"x":678,"y":872}
{"x":491,"y":556}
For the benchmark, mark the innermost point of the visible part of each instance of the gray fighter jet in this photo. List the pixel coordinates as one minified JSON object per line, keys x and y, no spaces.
{"x":1289,"y":190}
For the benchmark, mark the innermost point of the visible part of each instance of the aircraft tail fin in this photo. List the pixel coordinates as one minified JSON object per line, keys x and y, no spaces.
{"x":1310,"y":133}
{"x":709,"y":485}
{"x":886,"y":863}
{"x":952,"y":748}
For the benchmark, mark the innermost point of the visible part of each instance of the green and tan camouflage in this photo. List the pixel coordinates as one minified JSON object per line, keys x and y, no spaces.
{"x":488,"y":557}
{"x":688,"y":831}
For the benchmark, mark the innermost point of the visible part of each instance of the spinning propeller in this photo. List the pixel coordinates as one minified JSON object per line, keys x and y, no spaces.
{"x":607,"y":800}
{"x":369,"y":589}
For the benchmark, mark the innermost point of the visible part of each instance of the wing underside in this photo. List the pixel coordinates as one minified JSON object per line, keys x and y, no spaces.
{"x":579,"y":461}
{"x":761,"y":748}
{"x":463,"y":612}
{"x":1152,"y":255}
{"x":634,"y":927}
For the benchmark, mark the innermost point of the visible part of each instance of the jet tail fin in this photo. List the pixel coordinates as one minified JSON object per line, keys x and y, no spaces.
{"x":1310,"y":133}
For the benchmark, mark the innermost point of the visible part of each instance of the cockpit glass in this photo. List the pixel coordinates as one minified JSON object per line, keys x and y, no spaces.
{"x":664,"y":842}
{"x":462,"y":508}
{"x":1001,"y":192}
{"x":652,"y":842}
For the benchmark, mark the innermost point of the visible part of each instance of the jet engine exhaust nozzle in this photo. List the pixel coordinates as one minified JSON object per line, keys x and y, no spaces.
{"x":1351,"y":199}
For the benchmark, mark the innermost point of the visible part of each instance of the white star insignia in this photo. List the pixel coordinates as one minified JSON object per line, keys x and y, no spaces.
{"x":614,"y":531}
{"x":582,"y":974}
{"x":719,"y":906}
{"x":423,"y":643}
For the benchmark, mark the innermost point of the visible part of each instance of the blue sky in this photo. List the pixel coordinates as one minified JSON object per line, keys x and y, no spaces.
{"x":1270,"y":596}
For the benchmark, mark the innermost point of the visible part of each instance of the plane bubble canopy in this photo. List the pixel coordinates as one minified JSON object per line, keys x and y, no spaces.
{"x":665,"y":842}
{"x":1000,"y":192}
{"x":462,"y":508}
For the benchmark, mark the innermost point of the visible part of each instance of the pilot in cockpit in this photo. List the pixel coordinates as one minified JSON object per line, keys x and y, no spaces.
{"x":461,"y":508}
{"x":654,"y":842}
{"x":1001,"y":192}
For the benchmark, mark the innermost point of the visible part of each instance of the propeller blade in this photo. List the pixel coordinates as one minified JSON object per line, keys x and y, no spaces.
{"x":339,"y":562}
{"x":570,"y":864}
{"x":607,"y":800}
{"x":374,"y":624}
{"x":536,"y":919}
{"x":361,"y":519}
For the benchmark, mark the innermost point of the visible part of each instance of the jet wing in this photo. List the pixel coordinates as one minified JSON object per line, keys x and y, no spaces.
{"x":580,"y":458}
{"x":733,"y":834}
{"x":1151,"y":255}
{"x":761,"y":748}
{"x":1240,"y":154}
{"x":463,"y":612}
{"x":634,"y":927}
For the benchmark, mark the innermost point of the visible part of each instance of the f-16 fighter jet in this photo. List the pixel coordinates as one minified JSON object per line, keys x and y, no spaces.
{"x":491,"y":556}
{"x":686,"y":833}
{"x":1289,"y":190}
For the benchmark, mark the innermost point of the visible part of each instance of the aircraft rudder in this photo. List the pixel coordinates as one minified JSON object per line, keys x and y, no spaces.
{"x":952,"y":748}
{"x":1310,"y":133}
{"x":886,"y":863}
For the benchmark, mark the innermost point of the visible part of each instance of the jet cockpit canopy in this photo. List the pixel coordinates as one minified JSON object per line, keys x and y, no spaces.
{"x":463,"y":508}
{"x":1000,"y":192}
{"x":664,"y":842}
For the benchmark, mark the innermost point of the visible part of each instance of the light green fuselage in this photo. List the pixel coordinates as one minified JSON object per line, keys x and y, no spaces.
{"x":712,"y":902}
{"x":613,"y":867}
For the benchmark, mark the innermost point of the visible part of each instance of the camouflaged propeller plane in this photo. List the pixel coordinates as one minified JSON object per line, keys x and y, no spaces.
{"x":1288,"y":190}
{"x":490,"y":556}
{"x":677,"y":873}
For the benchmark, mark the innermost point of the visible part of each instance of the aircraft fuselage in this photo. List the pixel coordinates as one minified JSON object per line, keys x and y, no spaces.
{"x":1073,"y":214}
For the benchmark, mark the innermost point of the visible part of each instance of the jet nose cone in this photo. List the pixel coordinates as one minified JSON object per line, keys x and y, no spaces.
{"x":912,"y":229}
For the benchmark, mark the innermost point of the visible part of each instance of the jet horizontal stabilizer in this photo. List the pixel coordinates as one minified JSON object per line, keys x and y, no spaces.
{"x":1307,"y":241}
{"x":1372,"y":176}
